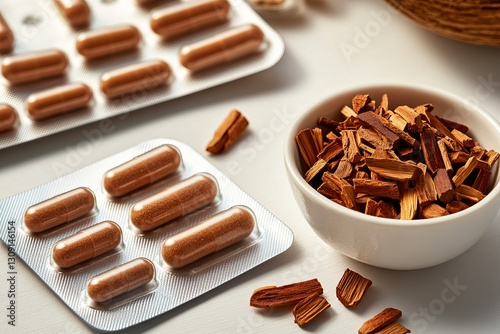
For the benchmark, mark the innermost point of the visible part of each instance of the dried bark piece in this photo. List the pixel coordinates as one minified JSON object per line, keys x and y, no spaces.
{"x":409,"y":204}
{"x":371,"y":207}
{"x":452,"y":144}
{"x":456,"y":206}
{"x":481,"y":181}
{"x":467,"y":192}
{"x":290,"y":294}
{"x":372,"y":120}
{"x":228,"y":132}
{"x":444,"y":156}
{"x":379,"y":321}
{"x":400,"y":133}
{"x":347,"y":112}
{"x":352,"y":288}
{"x":453,"y":125}
{"x":328,"y":123}
{"x":359,"y":102}
{"x":394,"y":328}
{"x":464,"y":171}
{"x":436,"y":123}
{"x":351,"y":150}
{"x":374,"y":138}
{"x":398,"y":121}
{"x":309,"y":308}
{"x":384,"y":102}
{"x":430,"y":148}
{"x":331,"y":136}
{"x":386,"y":210}
{"x":307,"y":146}
{"x":413,"y":118}
{"x":477,"y":151}
{"x":433,"y":210}
{"x":457,"y":158}
{"x":393,"y":169}
{"x":444,"y":187}
{"x":492,"y":157}
{"x":344,"y":169}
{"x":349,"y":197}
{"x":330,"y":192}
{"x":463,"y":139}
{"x":376,"y":188}
{"x":318,"y":167}
{"x":332,"y":150}
{"x":426,"y":190}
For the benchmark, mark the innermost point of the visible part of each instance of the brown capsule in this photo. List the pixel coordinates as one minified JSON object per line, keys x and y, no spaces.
{"x":59,"y":209}
{"x":6,"y":36}
{"x":8,"y":117}
{"x":76,"y":12}
{"x":34,"y":66}
{"x":188,"y":17}
{"x":108,"y":41}
{"x":173,"y":202}
{"x":222,"y":47}
{"x":58,"y":100}
{"x":120,"y":279}
{"x":141,"y":170}
{"x":207,"y":237}
{"x":87,"y":244}
{"x":135,"y":78}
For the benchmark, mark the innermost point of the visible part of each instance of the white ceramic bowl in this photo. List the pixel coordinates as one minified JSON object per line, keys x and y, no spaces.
{"x":391,"y":243}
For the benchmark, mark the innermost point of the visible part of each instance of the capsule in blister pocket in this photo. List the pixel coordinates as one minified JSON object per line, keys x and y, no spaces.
{"x":188,"y":17}
{"x":76,"y":12}
{"x":59,"y":209}
{"x":34,"y":66}
{"x":108,"y":41}
{"x":141,"y":170}
{"x":58,"y":100}
{"x":135,"y":79}
{"x":209,"y":236}
{"x":178,"y":200}
{"x":221,"y":48}
{"x":87,"y":244}
{"x":121,"y":279}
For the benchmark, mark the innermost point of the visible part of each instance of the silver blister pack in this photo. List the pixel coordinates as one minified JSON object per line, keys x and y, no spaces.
{"x":38,"y":25}
{"x":171,"y":287}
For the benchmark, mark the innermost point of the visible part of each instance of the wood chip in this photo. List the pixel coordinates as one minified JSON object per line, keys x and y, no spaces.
{"x":372,"y":120}
{"x":307,"y":146}
{"x":409,"y":204}
{"x":317,"y":169}
{"x":426,"y":190}
{"x":309,"y":308}
{"x":352,"y":288}
{"x":393,"y":169}
{"x":456,"y":206}
{"x":453,"y":125}
{"x":433,"y":211}
{"x":482,"y":180}
{"x":444,"y":187}
{"x":444,"y":155}
{"x":379,"y":321}
{"x":411,"y":117}
{"x":463,"y":139}
{"x":464,"y":171}
{"x":332,"y":150}
{"x":430,"y":148}
{"x":377,"y":188}
{"x":359,"y":102}
{"x":351,"y":150}
{"x":291,"y":294}
{"x":467,"y":192}
{"x":228,"y":132}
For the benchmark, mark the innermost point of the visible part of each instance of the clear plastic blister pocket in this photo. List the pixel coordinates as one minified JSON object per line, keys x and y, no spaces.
{"x":140,"y":272}
{"x":93,"y":84}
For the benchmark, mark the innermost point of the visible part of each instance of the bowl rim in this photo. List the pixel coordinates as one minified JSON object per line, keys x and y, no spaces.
{"x":291,"y":151}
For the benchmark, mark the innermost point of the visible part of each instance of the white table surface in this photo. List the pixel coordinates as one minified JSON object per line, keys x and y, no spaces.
{"x":314,"y":66}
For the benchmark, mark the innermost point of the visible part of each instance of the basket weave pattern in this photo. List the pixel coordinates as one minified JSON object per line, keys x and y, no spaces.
{"x":472,"y":21}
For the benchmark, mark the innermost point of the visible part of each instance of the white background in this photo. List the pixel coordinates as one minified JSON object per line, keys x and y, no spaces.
{"x":394,"y":50}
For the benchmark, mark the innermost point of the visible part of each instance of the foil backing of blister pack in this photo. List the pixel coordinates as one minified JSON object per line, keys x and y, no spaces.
{"x":38,"y":25}
{"x":173,"y":287}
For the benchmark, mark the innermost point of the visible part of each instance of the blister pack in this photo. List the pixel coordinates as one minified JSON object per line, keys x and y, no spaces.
{"x":72,"y":62}
{"x":139,"y":233}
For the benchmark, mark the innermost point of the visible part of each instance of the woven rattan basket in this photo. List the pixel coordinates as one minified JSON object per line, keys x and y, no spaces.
{"x":471,"y":21}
